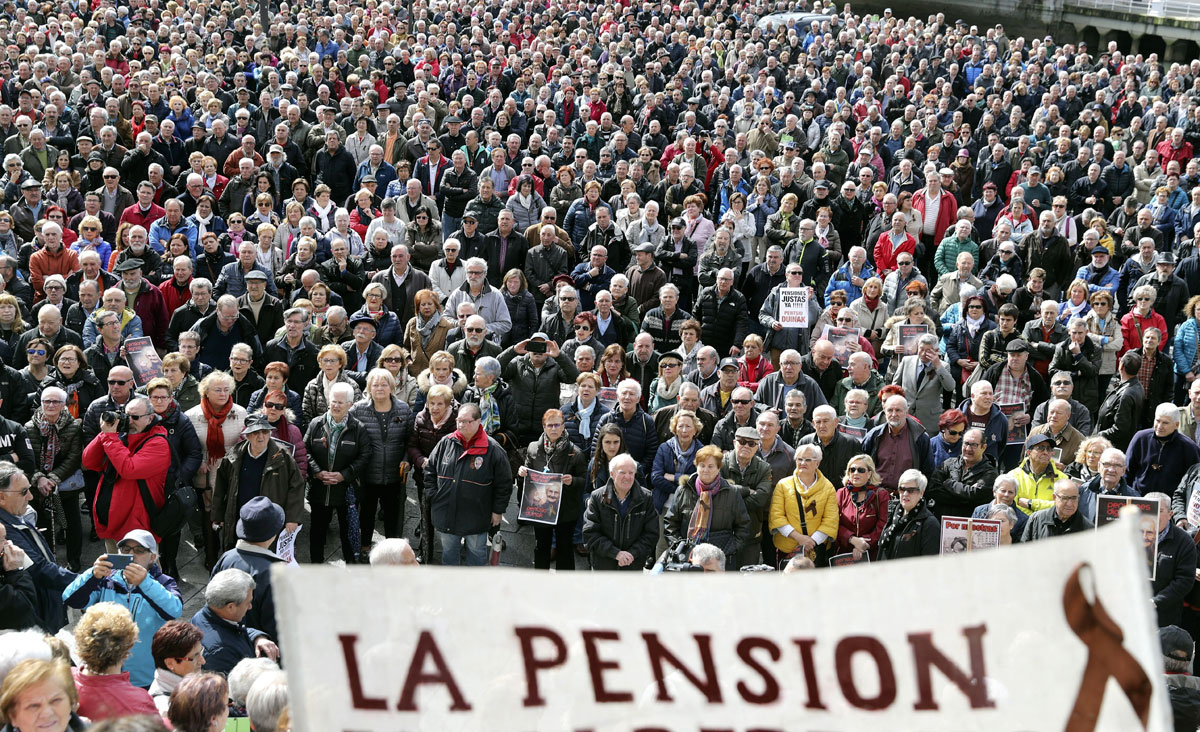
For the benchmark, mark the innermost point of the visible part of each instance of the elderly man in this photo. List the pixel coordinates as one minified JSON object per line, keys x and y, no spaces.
{"x":186,"y":316}
{"x":145,"y":299}
{"x":620,"y":525}
{"x":488,"y":301}
{"x":592,"y":277}
{"x":1109,"y":482}
{"x":401,"y":283}
{"x":743,"y":412}
{"x":468,"y":496}
{"x":221,"y":330}
{"x":294,"y":349}
{"x":1047,"y":249}
{"x":774,"y":388}
{"x":227,"y":640}
{"x":233,"y":275}
{"x":925,"y":379}
{"x":259,"y":524}
{"x":820,"y":365}
{"x":1160,"y":456}
{"x":1061,"y":517}
{"x":641,"y":439}
{"x":474,"y":344}
{"x":393,"y":553}
{"x":751,"y":475}
{"x":265,"y":311}
{"x":90,"y":270}
{"x":961,"y":483}
{"x":1176,"y":565}
{"x":52,"y":258}
{"x":948,"y":288}
{"x":48,"y":577}
{"x":860,"y":375}
{"x":899,"y":444}
{"x":688,"y":399}
{"x":723,"y":314}
{"x":1064,"y":436}
{"x":1036,"y":475}
{"x":49,"y":327}
{"x":836,"y":447}
{"x":534,"y":369}
{"x":1062,"y":386}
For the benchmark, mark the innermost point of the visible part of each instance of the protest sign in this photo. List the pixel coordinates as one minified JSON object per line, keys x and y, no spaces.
{"x":143,"y":360}
{"x":842,"y":560}
{"x":542,"y":497}
{"x":1016,"y":435}
{"x":982,"y":643}
{"x":907,"y":337}
{"x":965,"y":535}
{"x":607,"y":396}
{"x":1108,"y":509}
{"x":856,"y":432}
{"x":793,"y":307}
{"x":841,"y":338}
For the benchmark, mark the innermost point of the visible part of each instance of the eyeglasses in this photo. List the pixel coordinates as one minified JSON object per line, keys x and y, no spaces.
{"x":274,"y":405}
{"x":583,"y":326}
{"x":238,"y":359}
{"x":740,"y":401}
{"x":1066,"y":499}
{"x":89,"y":228}
{"x":392,"y":359}
{"x":330,"y":362}
{"x":975,"y":307}
{"x":567,"y":299}
{"x":475,"y":272}
{"x":53,"y":401}
{"x":955,"y":433}
{"x":972,"y":444}
{"x":474,"y":330}
{"x":552,"y":425}
{"x":118,"y":382}
{"x":22,"y":492}
{"x":908,"y":489}
{"x":1143,"y":299}
{"x":110,"y":177}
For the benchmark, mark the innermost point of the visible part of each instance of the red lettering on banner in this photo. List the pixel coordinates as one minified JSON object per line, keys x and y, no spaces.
{"x":926,"y":655}
{"x":770,"y":692}
{"x":357,"y":698}
{"x":709,"y":686}
{"x":533,"y":664}
{"x":810,"y":672}
{"x":597,"y":666}
{"x":846,"y":648}
{"x":427,"y":648}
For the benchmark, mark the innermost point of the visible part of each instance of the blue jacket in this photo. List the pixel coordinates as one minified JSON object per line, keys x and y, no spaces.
{"x":383,"y":177}
{"x":641,"y":437}
{"x":1018,"y":528}
{"x":224,"y":643}
{"x":841,"y":281}
{"x":571,"y":420}
{"x":161,"y":232}
{"x":152,"y":603}
{"x":388,"y":330}
{"x":48,"y":576}
{"x":1089,"y":491}
{"x":1187,"y":343}
{"x":579,"y":217}
{"x":996,"y":434}
{"x":256,"y":562}
{"x":1107,"y":283}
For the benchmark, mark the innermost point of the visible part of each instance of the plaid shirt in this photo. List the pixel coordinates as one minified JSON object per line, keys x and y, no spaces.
{"x":1010,"y":390}
{"x":1146,"y":371}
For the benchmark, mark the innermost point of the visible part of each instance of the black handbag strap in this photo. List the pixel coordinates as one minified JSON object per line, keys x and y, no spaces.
{"x":147,"y":500}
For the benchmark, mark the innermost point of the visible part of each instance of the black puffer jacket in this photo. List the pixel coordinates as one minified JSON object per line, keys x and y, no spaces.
{"x":565,"y":458}
{"x":914,"y":534}
{"x":607,"y":533}
{"x":351,"y":459}
{"x":388,"y":434}
{"x":723,"y":323}
{"x":534,"y":391}
{"x":728,"y":526}
{"x":524,"y":313}
{"x":954,"y":491}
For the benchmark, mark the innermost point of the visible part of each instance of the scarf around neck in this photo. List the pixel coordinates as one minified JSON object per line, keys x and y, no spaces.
{"x":214,"y":441}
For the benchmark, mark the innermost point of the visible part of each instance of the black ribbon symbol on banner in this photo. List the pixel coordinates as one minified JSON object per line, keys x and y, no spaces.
{"x":1107,"y":657}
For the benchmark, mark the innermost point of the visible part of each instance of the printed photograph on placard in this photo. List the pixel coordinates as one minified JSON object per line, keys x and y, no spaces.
{"x":1016,"y":435}
{"x":1108,"y":509}
{"x":962,"y":535}
{"x":143,"y":360}
{"x":542,"y":497}
{"x":841,"y":338}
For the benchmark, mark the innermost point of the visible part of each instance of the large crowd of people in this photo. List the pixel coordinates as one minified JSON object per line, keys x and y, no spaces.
{"x":671,"y":284}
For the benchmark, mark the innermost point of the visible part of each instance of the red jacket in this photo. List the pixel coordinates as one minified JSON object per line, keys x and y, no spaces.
{"x":885,"y":255}
{"x":43,"y":264}
{"x":134,"y":215}
{"x":749,"y":376}
{"x":866,"y":521}
{"x":121,"y":511}
{"x":173,"y":297}
{"x":947,"y":212}
{"x":1166,"y":153}
{"x":1134,"y":327}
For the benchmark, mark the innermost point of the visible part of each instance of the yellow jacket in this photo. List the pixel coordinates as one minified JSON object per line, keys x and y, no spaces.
{"x":820,"y":510}
{"x":1039,"y":489}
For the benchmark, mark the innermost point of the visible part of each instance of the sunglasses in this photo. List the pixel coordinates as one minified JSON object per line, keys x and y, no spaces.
{"x":110,"y":177}
{"x":955,"y":433}
{"x":392,"y":359}
{"x":858,"y":470}
{"x":274,"y":405}
{"x":36,"y":352}
{"x":474,"y":330}
{"x":118,"y":382}
{"x":740,"y":401}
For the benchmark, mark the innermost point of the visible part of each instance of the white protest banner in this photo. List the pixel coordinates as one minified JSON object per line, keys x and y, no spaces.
{"x":793,"y":307}
{"x":1057,"y":635}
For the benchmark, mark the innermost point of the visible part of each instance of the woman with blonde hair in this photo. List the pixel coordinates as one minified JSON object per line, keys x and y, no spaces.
{"x":1086,"y":464}
{"x":331,"y":359}
{"x":804,"y":516}
{"x":862,"y":509}
{"x":104,"y":639}
{"x":426,"y":331}
{"x":442,"y":371}
{"x":218,"y":421}
{"x":395,"y":359}
{"x":39,"y":694}
{"x":12,"y":325}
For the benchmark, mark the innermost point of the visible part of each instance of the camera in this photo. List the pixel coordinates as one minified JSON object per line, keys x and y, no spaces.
{"x":536,"y":347}
{"x":676,"y":559}
{"x":122,"y":421}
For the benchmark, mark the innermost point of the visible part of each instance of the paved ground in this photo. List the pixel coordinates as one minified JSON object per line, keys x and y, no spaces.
{"x":518,"y":552}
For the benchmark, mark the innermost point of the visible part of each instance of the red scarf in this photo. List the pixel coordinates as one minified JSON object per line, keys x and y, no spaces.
{"x":214,"y":442}
{"x":871,"y":302}
{"x":477,"y":445}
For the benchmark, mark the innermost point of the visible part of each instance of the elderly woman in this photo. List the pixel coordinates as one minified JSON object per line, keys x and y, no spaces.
{"x":664,"y":389}
{"x":388,"y":329}
{"x":331,"y":360}
{"x":585,"y":335}
{"x":426,"y":331}
{"x":803,"y":517}
{"x":553,"y":452}
{"x":446,"y":274}
{"x":430,"y":425}
{"x":275,"y":376}
{"x":275,"y":407}
{"x":218,"y":422}
{"x":40,"y":695}
{"x":395,"y":360}
{"x":185,"y":390}
{"x":104,"y":638}
{"x":424,"y":239}
{"x":71,"y":373}
{"x":706,"y":508}
{"x":497,"y":407}
{"x":55,"y":440}
{"x":914,"y":312}
{"x":1141,"y":318}
{"x":522,"y":307}
{"x":525,"y":203}
{"x":1004,"y":492}
{"x":912,"y":530}
{"x":947,"y":443}
{"x":676,"y":457}
{"x":441,"y":370}
{"x":1104,"y":329}
{"x":200,"y":703}
{"x":1086,"y":464}
{"x":386,"y":420}
{"x":862,"y":509}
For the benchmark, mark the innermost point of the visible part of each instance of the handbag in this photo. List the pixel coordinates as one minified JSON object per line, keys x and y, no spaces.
{"x":819,"y":554}
{"x":170,"y":517}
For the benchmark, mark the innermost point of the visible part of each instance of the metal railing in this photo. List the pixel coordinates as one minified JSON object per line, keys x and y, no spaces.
{"x":1157,"y":8}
